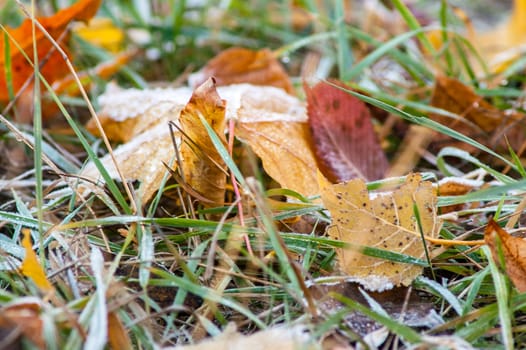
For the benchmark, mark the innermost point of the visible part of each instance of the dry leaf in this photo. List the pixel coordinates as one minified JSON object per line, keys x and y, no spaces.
{"x":54,"y":67}
{"x":239,"y":65}
{"x":345,"y":143}
{"x":24,"y":314}
{"x":513,"y":251}
{"x":283,"y":338}
{"x":478,"y":118}
{"x":203,"y":169}
{"x":386,"y":221}
{"x":31,"y":266}
{"x":118,"y":337}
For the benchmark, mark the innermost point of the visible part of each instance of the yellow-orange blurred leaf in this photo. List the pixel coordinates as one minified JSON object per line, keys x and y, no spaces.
{"x":239,"y":65}
{"x":31,"y":266}
{"x":284,"y":149}
{"x":118,"y":337}
{"x":101,"y":32}
{"x":203,"y":168}
{"x":386,"y":221}
{"x":513,"y":251}
{"x":54,"y":66}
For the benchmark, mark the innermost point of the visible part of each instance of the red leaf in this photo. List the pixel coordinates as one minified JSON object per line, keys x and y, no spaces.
{"x":345,"y":144}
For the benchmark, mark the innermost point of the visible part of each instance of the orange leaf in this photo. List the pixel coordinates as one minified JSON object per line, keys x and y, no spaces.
{"x":117,"y":335}
{"x":513,"y":251}
{"x":203,"y":167}
{"x":53,"y":65}
{"x":238,"y":65}
{"x":345,"y":143}
{"x":31,"y":266}
{"x":478,"y":118}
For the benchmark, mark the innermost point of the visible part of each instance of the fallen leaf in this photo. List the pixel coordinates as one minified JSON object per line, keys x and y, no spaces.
{"x":285,"y":338}
{"x":101,"y":32}
{"x":118,"y":337}
{"x":386,"y":221}
{"x":239,"y":65}
{"x":513,"y":251}
{"x":345,"y":143}
{"x":203,"y":169}
{"x":31,"y":266}
{"x":54,"y":67}
{"x":477,"y":117}
{"x":24,"y":315}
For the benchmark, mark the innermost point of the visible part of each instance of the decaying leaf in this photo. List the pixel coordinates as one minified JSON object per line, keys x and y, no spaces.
{"x":286,"y":338}
{"x":31,"y":266}
{"x":513,"y":250}
{"x":117,"y":335}
{"x":101,"y":32}
{"x":386,"y":221}
{"x":345,"y":143}
{"x":23,"y":315}
{"x":203,"y":168}
{"x":53,"y":65}
{"x":478,"y":118}
{"x":239,"y":65}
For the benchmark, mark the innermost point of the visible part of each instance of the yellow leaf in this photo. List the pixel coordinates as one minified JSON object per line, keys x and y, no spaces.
{"x":386,"y":221}
{"x":203,"y":167}
{"x":31,"y":266}
{"x":118,"y":337}
{"x":101,"y":32}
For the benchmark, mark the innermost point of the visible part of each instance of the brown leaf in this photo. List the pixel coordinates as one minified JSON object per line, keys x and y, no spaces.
{"x":239,"y":65}
{"x":386,"y":221}
{"x":25,"y":315}
{"x":345,"y":144}
{"x":513,"y":251}
{"x":477,"y":117}
{"x":202,"y":166}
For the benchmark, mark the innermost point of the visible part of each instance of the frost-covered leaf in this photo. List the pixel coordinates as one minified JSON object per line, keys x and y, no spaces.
{"x":387,"y":221}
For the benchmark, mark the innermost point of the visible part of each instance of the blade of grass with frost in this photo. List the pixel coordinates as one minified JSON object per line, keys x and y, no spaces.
{"x":37,"y":132}
{"x":474,"y":289}
{"x":223,"y":152}
{"x":397,"y":328}
{"x":502,"y":295}
{"x":413,"y":24}
{"x":381,"y":51}
{"x":18,"y":219}
{"x":444,"y":22}
{"x":466,"y":156}
{"x":344,"y":52}
{"x":8,"y":66}
{"x":442,"y":292}
{"x":206,"y":294}
{"x":54,"y":155}
{"x":94,"y":317}
{"x":146,"y":252}
{"x":425,"y":122}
